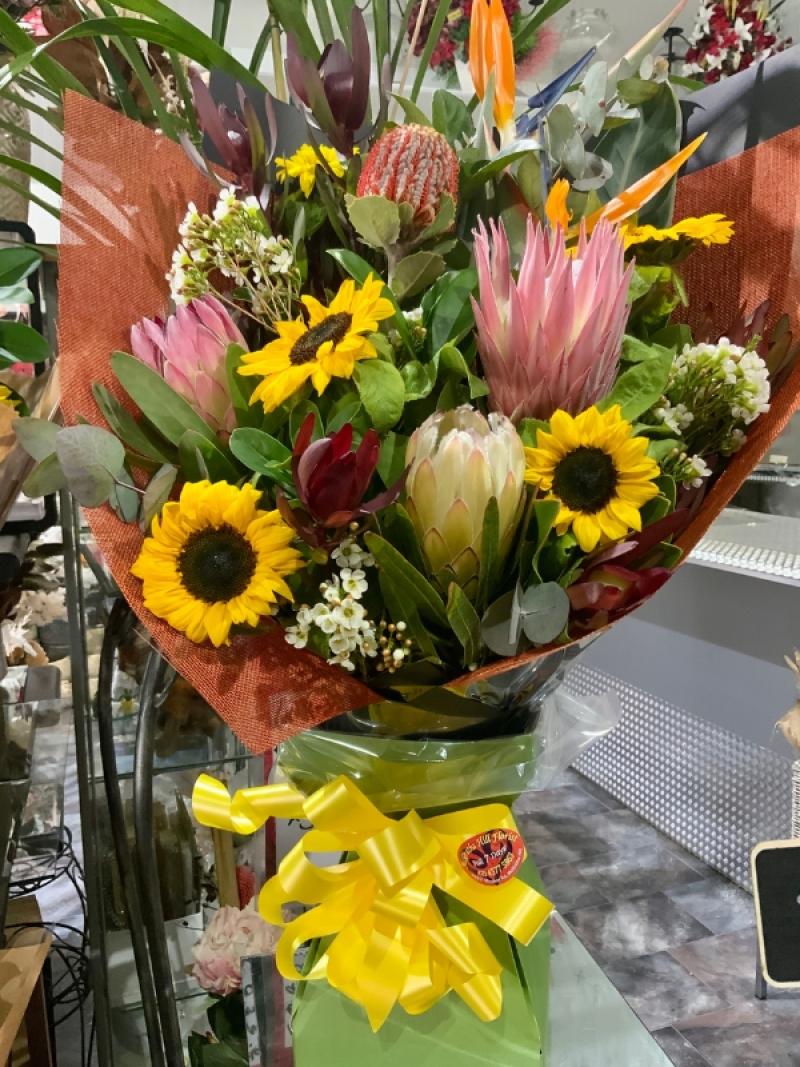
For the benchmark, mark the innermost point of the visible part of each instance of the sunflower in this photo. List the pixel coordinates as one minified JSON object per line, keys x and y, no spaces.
{"x":705,"y":230}
{"x":7,"y":398}
{"x":597,"y":470}
{"x":214,"y":560}
{"x":327,"y":346}
{"x":303,"y":166}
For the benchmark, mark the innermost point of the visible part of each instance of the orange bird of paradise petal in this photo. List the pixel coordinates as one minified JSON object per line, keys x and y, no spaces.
{"x":555,"y":208}
{"x":492,"y":49}
{"x":505,"y":72}
{"x":478,"y":67}
{"x":638,"y":194}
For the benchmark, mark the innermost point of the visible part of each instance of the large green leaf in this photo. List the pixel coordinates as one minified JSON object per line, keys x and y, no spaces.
{"x":639,"y":146}
{"x":376,"y":219}
{"x":21,"y":343}
{"x":415,"y":586}
{"x":401,"y":609}
{"x":157,"y":493}
{"x":262,"y":453}
{"x":639,"y":387}
{"x":293,"y":19}
{"x":17,"y":263}
{"x":126,"y":427}
{"x":169,"y":413}
{"x":490,"y":547}
{"x":382,"y":392}
{"x":217,"y":465}
{"x":465,"y":622}
{"x":16,"y":40}
{"x":416,"y":272}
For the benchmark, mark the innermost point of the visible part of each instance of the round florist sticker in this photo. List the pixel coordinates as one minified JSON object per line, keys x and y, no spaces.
{"x":492,"y":857}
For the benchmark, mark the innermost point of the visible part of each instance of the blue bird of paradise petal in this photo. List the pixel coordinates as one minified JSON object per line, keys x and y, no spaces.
{"x":545,"y":100}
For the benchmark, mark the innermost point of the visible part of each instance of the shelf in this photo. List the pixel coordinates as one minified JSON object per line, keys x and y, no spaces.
{"x":751,"y":542}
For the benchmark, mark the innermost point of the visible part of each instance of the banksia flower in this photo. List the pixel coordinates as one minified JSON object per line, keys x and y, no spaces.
{"x":413,"y":165}
{"x":551,"y":338}
{"x":457,"y":461}
{"x":188,"y":351}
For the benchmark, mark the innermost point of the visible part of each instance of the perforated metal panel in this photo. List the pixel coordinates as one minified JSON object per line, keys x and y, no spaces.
{"x":713,"y":792}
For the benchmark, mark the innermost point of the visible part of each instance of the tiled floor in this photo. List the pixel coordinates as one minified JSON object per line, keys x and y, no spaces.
{"x":676,"y":939}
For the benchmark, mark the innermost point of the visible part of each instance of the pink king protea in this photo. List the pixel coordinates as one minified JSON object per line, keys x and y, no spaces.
{"x":552,"y":338}
{"x":188,"y":351}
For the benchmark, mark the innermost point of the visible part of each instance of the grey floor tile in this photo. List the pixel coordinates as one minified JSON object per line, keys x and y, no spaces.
{"x":563,"y":800}
{"x":753,"y":1035}
{"x":726,"y":962}
{"x":659,"y":990}
{"x":567,"y":887}
{"x":621,"y":875}
{"x":680,"y":1052}
{"x":545,"y":847}
{"x":597,"y":791}
{"x":717,"y":903}
{"x":636,"y":927}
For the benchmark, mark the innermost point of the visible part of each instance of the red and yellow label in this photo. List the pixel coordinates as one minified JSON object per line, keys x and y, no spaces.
{"x":493,"y":857}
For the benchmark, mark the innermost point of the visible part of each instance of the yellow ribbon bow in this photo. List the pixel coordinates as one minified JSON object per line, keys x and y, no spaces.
{"x":390,"y":943}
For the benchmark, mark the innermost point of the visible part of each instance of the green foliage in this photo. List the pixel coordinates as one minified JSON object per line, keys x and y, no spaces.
{"x":635,"y":148}
{"x":638,"y":388}
{"x":415,"y":586}
{"x":171,"y":415}
{"x":382,"y":391}
{"x":465,"y":623}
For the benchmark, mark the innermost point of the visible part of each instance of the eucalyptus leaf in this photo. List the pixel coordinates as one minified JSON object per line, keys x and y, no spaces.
{"x":157,"y":493}
{"x":376,"y":219}
{"x":124,"y":499}
{"x":500,"y":628}
{"x":382,"y":391}
{"x":91,"y":459}
{"x":545,"y":612}
{"x":564,"y":142}
{"x":37,"y":437}
{"x":46,"y":477}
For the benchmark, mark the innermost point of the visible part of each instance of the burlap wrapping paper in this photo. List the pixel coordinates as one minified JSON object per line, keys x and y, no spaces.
{"x":125,"y":192}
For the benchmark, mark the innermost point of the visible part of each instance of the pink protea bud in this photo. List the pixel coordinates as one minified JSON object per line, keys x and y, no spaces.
{"x":411,"y":165}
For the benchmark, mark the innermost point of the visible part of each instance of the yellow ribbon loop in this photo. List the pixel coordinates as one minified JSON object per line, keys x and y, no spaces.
{"x":389,"y":943}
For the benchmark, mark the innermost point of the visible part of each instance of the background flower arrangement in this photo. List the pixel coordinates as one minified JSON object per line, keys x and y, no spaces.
{"x":732,"y":35}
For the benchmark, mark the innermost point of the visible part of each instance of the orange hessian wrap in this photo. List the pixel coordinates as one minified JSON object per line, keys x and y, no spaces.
{"x":390,"y":942}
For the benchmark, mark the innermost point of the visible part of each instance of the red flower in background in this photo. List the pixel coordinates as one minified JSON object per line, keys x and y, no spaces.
{"x":730,"y":37}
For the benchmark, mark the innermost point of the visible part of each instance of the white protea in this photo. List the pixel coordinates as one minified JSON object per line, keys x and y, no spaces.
{"x":457,"y":461}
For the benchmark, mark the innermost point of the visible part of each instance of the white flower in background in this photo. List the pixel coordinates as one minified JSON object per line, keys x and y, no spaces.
{"x":231,"y":934}
{"x":40,"y":606}
{"x":20,"y":644}
{"x":742,"y":30}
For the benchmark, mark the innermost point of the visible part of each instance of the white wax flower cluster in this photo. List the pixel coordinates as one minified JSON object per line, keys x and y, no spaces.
{"x":339,"y":621}
{"x":236,"y":241}
{"x":713,"y":393}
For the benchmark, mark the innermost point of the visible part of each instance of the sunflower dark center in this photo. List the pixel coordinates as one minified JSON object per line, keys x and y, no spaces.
{"x":585,"y":479}
{"x":332,"y":328}
{"x":216,"y":564}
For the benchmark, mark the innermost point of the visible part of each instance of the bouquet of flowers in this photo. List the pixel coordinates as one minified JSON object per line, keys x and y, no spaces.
{"x":420,"y":422}
{"x":730,"y":36}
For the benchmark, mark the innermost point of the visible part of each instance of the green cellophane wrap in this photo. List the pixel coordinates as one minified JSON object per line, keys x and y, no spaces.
{"x":331,"y":1031}
{"x":399,"y":775}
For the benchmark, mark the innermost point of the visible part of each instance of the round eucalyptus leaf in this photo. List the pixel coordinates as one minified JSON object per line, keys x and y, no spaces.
{"x":500,"y":629}
{"x":545,"y":612}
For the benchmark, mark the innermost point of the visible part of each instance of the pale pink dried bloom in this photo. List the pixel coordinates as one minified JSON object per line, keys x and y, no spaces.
{"x":231,"y":934}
